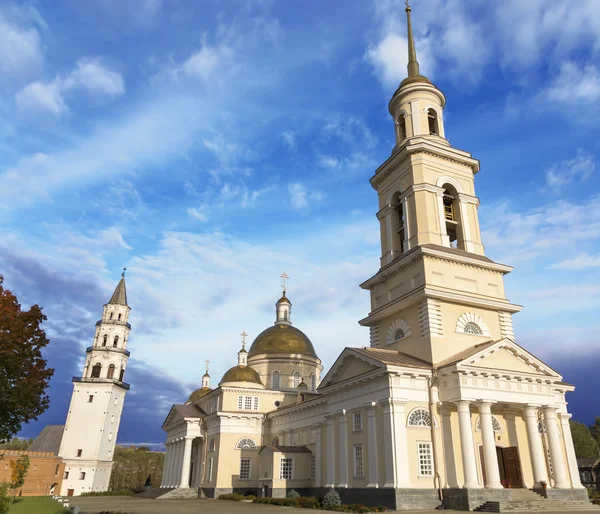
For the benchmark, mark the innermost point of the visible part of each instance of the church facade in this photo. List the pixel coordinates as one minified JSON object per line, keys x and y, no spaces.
{"x":443,"y":406}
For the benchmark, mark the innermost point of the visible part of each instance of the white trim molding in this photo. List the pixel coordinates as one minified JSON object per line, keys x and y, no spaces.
{"x":471,"y":317}
{"x":397,"y":324}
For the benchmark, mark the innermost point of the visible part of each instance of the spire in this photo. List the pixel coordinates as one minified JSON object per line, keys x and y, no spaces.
{"x":243,"y":354}
{"x":206,"y":376}
{"x":119,"y":297}
{"x":413,"y":64}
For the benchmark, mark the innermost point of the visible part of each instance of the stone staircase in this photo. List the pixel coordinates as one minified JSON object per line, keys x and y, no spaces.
{"x":181,"y":493}
{"x":524,"y":500}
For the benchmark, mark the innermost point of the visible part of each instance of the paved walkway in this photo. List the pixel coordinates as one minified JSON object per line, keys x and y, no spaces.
{"x":136,"y":505}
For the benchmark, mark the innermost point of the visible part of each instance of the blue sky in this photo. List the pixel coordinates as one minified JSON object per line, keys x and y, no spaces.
{"x":209,"y":146}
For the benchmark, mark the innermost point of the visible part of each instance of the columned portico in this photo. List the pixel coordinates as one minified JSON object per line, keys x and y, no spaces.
{"x":185,"y":465}
{"x":556,"y":454}
{"x":570,"y":449}
{"x":467,"y":445}
{"x":492,"y":471}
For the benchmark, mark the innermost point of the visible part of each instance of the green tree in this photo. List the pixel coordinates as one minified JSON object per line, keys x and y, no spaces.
{"x":23,"y":373}
{"x":585,"y":445}
{"x":5,"y":498}
{"x":595,"y":429}
{"x":16,"y":444}
{"x":18,"y":473}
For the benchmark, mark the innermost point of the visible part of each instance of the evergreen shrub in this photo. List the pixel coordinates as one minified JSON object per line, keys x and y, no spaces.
{"x":293,"y":494}
{"x":331,"y":500}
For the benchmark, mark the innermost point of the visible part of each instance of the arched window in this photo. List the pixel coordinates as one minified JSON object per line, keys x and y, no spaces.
{"x":401,"y":124}
{"x":111,"y":371}
{"x":119,"y":318}
{"x":275,"y":380}
{"x":111,"y":315}
{"x":399,"y":334}
{"x":104,"y":339}
{"x":419,"y":418}
{"x":245,"y":443}
{"x":96,"y":370}
{"x":121,"y":375}
{"x":296,"y":379}
{"x":115,"y":341}
{"x":398,"y":329}
{"x":450,"y":215}
{"x":495,"y":424}
{"x":275,"y":441}
{"x":211,"y":444}
{"x":473,"y":328}
{"x":398,"y":225}
{"x":313,"y":382}
{"x":432,"y":120}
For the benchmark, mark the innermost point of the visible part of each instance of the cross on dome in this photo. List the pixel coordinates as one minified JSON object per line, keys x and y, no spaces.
{"x":284,"y":276}
{"x":244,"y":336}
{"x":207,"y":362}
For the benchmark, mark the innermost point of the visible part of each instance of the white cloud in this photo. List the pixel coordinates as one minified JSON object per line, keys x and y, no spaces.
{"x":289,"y":136}
{"x":20,"y":41}
{"x":88,"y":74}
{"x":580,"y":168}
{"x":580,"y":262}
{"x":207,"y":61}
{"x":301,"y":198}
{"x":198,"y":213}
{"x":574,"y":85}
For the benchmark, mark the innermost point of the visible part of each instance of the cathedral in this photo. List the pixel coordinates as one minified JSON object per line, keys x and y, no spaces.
{"x":442,"y":407}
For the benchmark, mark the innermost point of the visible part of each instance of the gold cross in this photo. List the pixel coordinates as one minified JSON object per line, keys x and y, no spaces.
{"x":284,"y":277}
{"x":244,"y":336}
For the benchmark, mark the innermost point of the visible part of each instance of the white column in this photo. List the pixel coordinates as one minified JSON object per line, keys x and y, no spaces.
{"x":372,"y":444}
{"x":318,"y":456}
{"x":406,"y":225}
{"x":388,"y":443}
{"x":330,"y":452}
{"x":558,"y":461}
{"x":185,"y":464}
{"x":164,"y":473}
{"x":464,"y":219}
{"x":177,"y":466}
{"x":400,"y":444}
{"x":467,"y":445}
{"x":168,"y":465}
{"x":538,"y":459}
{"x":571,"y":458}
{"x":343,"y":451}
{"x":390,"y":234}
{"x":492,"y":471}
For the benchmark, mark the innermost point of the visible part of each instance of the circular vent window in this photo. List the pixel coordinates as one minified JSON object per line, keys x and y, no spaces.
{"x":277,"y":403}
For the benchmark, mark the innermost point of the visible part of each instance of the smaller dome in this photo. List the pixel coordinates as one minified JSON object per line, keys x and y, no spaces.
{"x":284,"y":299}
{"x":198,"y":393}
{"x":241,"y":374}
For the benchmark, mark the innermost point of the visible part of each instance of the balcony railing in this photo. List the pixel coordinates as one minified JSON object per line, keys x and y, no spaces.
{"x":88,"y":380}
{"x":107,"y":349}
{"x":113,"y":322}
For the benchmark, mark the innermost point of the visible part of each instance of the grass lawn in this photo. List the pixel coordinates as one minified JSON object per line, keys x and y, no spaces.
{"x":36,"y":505}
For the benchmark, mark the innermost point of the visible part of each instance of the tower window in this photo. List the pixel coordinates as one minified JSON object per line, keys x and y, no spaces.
{"x":111,"y":316}
{"x":115,"y":341}
{"x":296,"y":378}
{"x":401,"y":123}
{"x":450,"y":205}
{"x":79,"y":453}
{"x":473,"y":328}
{"x":399,"y":334}
{"x":104,"y":339}
{"x":313,"y":382}
{"x":111,"y":371}
{"x":119,"y":318}
{"x":432,"y":119}
{"x":96,"y":369}
{"x":90,"y":398}
{"x":82,"y":475}
{"x":401,"y":227}
{"x":121,"y":375}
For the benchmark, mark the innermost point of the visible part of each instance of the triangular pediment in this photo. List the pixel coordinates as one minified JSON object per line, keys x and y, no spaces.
{"x":349,"y":365}
{"x":507,"y":356}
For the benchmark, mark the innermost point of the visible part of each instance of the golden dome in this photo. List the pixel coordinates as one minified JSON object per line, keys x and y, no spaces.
{"x":284,"y":299}
{"x":282,"y":338}
{"x":241,"y":374}
{"x":199,"y":393}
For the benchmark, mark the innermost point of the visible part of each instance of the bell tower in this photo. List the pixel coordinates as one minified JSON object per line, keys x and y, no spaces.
{"x":92,"y":425}
{"x":436,"y":293}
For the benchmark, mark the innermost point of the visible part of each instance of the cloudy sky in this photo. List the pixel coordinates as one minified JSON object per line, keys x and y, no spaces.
{"x":209,"y":146}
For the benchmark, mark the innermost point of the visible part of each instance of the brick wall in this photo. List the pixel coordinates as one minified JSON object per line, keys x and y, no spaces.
{"x":45,"y":470}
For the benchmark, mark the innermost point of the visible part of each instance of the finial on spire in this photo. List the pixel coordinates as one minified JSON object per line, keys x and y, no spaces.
{"x":284,"y":277}
{"x":413,"y":64}
{"x":207,"y":362}
{"x":123,"y":274}
{"x":244,"y":336}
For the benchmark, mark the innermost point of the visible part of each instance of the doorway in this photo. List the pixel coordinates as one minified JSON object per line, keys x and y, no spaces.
{"x":70,"y":492}
{"x":509,"y":466}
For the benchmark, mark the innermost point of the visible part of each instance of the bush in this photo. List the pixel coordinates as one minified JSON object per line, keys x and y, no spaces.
{"x":308,"y":502}
{"x":290,"y":502}
{"x":5,"y":499}
{"x":232,"y":497}
{"x":250,"y":497}
{"x":331,"y":500}
{"x":293,"y":494}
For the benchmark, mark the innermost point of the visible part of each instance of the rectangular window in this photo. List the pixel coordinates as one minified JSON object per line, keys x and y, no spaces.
{"x":255,"y":403}
{"x":82,"y":475}
{"x":357,"y":421}
{"x":240,"y":402}
{"x":358,"y":461}
{"x":56,"y":469}
{"x":313,"y":467}
{"x":110,"y":436}
{"x":210,"y":469}
{"x":90,"y":398}
{"x":248,"y":402}
{"x":425,"y":460}
{"x":245,"y":469}
{"x":215,"y":404}
{"x":66,"y":475}
{"x":79,"y":453}
{"x":285,"y":470}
